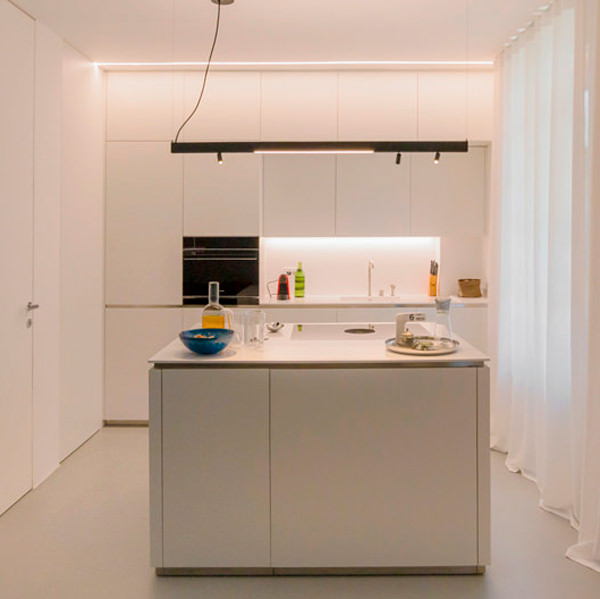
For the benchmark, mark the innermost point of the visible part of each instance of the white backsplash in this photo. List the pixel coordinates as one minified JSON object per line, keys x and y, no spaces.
{"x":337,"y":266}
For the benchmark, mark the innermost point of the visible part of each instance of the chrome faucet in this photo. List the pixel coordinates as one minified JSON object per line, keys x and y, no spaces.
{"x":371,"y":267}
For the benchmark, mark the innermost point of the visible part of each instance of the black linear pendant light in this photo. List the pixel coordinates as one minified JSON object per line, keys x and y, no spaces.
{"x":299,"y":147}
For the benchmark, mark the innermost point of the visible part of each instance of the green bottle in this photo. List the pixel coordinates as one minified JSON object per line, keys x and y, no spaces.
{"x":299,"y":281}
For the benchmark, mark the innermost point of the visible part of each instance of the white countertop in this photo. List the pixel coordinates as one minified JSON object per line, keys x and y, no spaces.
{"x":280,"y":349}
{"x":355,"y":301}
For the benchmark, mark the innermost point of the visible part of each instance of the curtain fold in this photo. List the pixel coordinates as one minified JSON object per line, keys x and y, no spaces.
{"x":545,"y":266}
{"x":586,"y":321}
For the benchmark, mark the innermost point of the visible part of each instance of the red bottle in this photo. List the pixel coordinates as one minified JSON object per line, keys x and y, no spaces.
{"x":283,"y":288}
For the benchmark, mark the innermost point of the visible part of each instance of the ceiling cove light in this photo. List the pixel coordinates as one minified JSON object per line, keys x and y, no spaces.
{"x":296,"y":63}
{"x":300,"y":147}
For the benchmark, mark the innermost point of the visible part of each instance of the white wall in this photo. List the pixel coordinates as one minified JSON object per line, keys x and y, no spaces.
{"x":81,"y":251}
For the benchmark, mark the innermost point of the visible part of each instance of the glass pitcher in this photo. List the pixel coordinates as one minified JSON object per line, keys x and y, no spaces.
{"x":443,"y":324}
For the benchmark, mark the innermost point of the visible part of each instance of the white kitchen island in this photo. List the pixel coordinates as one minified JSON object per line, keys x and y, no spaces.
{"x":319,"y":454}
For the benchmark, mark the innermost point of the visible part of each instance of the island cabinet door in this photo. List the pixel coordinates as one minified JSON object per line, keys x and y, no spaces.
{"x":374,"y":468}
{"x":215,"y":458}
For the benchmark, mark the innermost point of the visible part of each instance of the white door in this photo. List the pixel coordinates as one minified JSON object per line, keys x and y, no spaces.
{"x":16,"y":252}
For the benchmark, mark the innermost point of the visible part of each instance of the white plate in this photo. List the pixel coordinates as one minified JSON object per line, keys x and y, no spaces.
{"x":451,"y":346}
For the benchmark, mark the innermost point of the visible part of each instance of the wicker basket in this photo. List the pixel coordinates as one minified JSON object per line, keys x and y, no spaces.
{"x":469,"y":287}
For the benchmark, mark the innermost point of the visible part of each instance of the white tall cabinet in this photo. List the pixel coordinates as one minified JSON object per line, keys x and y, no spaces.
{"x":143,"y":224}
{"x":16,"y":249}
{"x":154,"y":198}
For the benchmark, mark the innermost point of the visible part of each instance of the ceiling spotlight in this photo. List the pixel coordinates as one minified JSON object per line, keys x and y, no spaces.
{"x":219,"y":158}
{"x":436,"y":159}
{"x":398,"y":158}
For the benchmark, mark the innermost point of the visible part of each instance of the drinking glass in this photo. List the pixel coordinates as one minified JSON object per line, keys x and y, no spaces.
{"x":254,"y":328}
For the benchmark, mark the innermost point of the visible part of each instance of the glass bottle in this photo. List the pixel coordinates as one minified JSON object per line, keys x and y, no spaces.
{"x":299,"y":281}
{"x":214,"y":316}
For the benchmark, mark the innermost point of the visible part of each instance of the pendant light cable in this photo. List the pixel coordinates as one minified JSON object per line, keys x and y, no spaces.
{"x":205,"y":72}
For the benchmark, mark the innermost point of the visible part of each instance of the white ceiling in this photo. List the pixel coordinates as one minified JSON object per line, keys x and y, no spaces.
{"x":284,"y":30}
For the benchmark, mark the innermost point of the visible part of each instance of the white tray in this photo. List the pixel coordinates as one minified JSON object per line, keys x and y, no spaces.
{"x":391,"y":345}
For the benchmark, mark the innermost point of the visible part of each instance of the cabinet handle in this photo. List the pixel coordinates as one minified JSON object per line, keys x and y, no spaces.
{"x":32,"y":306}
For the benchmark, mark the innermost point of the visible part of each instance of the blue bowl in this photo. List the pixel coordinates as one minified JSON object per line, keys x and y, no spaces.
{"x":206,"y":341}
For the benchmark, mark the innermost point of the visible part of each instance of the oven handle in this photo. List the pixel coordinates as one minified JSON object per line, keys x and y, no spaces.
{"x":217,"y":259}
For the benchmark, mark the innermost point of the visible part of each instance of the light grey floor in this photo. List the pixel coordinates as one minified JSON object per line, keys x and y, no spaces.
{"x":84,"y":534}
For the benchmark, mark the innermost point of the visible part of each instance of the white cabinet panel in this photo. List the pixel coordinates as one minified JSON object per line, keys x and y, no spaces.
{"x":143,"y":224}
{"x":81,"y":250}
{"x":221,"y":199}
{"x":299,"y":196}
{"x":471,"y":324}
{"x":132,"y":336}
{"x":442,"y":105}
{"x":215,"y":452}
{"x":448,"y":198}
{"x":481,"y":105}
{"x":229,"y":110}
{"x":356,"y":470}
{"x":300,"y":315}
{"x":299,"y":106}
{"x":16,"y":249}
{"x":378,"y":106}
{"x":140,"y":106}
{"x":372,"y":195}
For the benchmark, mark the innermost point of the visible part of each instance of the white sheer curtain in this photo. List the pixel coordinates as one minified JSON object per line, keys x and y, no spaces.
{"x":542,"y":399}
{"x":586,"y":278}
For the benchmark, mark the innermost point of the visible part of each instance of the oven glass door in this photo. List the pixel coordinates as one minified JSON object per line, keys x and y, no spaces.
{"x":235,"y":268}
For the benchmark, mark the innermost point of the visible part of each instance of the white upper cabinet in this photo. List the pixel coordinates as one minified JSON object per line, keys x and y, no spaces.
{"x":378,"y":106}
{"x":143,"y":224}
{"x":299,"y":195}
{"x":373,"y":195}
{"x":481,"y":106}
{"x":299,"y":106}
{"x":140,"y":106}
{"x":449,"y":198}
{"x":229,"y":110}
{"x":221,"y":199}
{"x":442,"y":105}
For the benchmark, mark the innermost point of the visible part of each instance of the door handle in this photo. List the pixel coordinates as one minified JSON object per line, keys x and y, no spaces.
{"x":32,"y":306}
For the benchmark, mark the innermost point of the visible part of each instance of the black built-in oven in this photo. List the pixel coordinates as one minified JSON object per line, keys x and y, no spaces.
{"x":232,"y":261}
